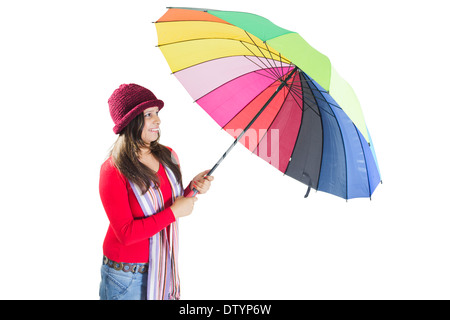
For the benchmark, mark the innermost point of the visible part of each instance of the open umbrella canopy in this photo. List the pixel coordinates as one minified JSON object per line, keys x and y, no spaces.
{"x":275,"y":94}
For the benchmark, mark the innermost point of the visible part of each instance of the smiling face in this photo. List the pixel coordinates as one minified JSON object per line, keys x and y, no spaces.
{"x":150,"y":132}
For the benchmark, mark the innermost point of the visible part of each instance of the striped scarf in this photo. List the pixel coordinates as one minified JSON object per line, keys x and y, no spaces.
{"x":163,"y":280}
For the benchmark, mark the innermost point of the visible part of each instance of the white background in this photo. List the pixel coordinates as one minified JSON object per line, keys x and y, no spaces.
{"x":253,"y":236}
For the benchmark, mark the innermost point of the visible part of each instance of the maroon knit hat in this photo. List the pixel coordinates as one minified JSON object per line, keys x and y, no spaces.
{"x":128,"y":101}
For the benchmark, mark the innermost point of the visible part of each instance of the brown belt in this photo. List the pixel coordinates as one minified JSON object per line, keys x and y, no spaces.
{"x":126,"y":267}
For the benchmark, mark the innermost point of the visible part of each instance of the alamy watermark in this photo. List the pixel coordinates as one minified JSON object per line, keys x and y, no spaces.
{"x":262,"y":142}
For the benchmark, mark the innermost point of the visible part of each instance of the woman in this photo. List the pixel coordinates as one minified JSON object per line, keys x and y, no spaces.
{"x":141,"y":191}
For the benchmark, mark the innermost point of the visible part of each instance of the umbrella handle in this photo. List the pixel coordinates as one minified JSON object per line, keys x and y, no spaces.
{"x":192,"y":193}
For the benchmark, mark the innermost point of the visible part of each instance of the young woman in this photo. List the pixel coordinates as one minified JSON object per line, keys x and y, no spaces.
{"x":141,"y":191}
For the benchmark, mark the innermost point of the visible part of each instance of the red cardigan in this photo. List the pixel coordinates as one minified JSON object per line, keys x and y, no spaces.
{"x":127,"y":238}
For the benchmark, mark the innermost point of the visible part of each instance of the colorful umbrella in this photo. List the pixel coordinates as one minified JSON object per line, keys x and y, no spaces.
{"x":275,"y":94}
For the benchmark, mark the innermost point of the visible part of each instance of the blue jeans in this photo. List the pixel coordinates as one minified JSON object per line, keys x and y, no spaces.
{"x":120,"y":285}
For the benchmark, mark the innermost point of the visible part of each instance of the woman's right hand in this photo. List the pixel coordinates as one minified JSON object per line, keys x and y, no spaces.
{"x":183,"y":206}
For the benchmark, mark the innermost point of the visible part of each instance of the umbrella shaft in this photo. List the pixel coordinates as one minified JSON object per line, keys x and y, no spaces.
{"x":282,"y":85}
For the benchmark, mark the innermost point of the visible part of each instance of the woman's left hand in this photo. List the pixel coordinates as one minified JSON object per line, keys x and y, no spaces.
{"x":202,"y":182}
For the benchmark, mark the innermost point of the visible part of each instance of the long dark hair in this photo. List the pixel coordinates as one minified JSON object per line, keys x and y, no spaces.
{"x":125,"y":153}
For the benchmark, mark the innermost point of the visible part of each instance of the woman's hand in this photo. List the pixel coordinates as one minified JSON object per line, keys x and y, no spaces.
{"x":183,"y":206}
{"x":202,"y":182}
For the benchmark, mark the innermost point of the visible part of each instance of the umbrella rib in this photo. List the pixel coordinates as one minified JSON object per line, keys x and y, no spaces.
{"x":196,"y":39}
{"x":264,"y":75}
{"x":309,"y":106}
{"x":259,"y":58}
{"x":305,"y":99}
{"x":275,"y":80}
{"x":199,"y":39}
{"x":345,"y":153}
{"x":274,"y":84}
{"x":274,"y":61}
{"x":273,"y":120}
{"x":262,"y":68}
{"x":298,"y":135}
{"x":276,"y":70}
{"x":302,"y":98}
{"x":289,"y":90}
{"x":242,"y":42}
{"x":325,"y":100}
{"x":302,"y":78}
{"x":297,"y":93}
{"x":310,"y":185}
{"x":206,"y":61}
{"x":279,"y":54}
{"x":365,"y":161}
{"x":322,"y":91}
{"x":279,"y":73}
{"x":260,"y":50}
{"x":273,"y":73}
{"x":294,"y":94}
